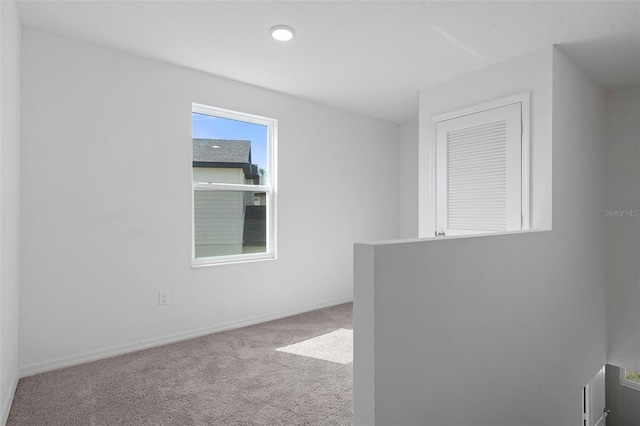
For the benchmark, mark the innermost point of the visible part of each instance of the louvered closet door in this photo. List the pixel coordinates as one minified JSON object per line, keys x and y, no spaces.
{"x":478,"y":176}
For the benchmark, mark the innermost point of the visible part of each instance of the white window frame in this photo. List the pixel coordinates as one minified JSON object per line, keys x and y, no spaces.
{"x":524,"y":100}
{"x":268,"y":186}
{"x":627,"y":383}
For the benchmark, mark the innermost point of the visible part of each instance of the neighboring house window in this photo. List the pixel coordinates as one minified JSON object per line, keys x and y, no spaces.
{"x":482,"y":168}
{"x":630,"y":378}
{"x":233,"y":183}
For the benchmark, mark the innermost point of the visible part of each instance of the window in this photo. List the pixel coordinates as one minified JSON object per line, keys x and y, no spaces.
{"x":481,"y":168}
{"x":233,"y":186}
{"x":630,"y":378}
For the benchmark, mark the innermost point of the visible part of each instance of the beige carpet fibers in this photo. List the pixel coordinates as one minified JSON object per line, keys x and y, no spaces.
{"x":336,"y":346}
{"x":235,"y":377}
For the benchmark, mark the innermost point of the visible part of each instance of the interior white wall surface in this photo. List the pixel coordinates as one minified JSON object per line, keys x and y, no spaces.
{"x":106,"y":181}
{"x":364,"y":340}
{"x":529,"y":73}
{"x":10,"y":33}
{"x":622,"y":204}
{"x":409,"y":180}
{"x":504,"y":329}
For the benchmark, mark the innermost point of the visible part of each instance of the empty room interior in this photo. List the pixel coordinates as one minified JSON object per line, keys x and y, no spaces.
{"x":391,"y":213}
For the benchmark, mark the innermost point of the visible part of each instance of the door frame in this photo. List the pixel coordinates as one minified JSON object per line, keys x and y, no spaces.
{"x":427,"y":185}
{"x":588,"y":403}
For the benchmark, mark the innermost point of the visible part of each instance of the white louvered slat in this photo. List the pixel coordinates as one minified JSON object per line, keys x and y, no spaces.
{"x":467,"y":148}
{"x":478,"y":167}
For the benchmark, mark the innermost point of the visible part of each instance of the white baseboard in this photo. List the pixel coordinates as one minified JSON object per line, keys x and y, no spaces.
{"x":8,"y":400}
{"x":69,"y":361}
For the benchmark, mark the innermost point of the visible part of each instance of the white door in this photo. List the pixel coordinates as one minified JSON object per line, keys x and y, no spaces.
{"x":593,"y":400}
{"x":479,"y":172}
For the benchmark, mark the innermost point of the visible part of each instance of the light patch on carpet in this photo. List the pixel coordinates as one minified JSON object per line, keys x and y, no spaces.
{"x":336,"y":346}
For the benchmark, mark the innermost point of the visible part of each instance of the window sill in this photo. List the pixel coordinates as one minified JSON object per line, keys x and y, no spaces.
{"x":634,"y":386}
{"x":230,"y":260}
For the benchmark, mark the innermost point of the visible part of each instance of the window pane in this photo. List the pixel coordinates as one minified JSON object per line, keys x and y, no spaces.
{"x":232,"y":153}
{"x":632,"y":376}
{"x":228,"y":151}
{"x":229,"y":222}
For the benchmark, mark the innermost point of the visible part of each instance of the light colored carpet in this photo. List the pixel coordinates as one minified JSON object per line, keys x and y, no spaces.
{"x":336,"y":346}
{"x":230,"y":378}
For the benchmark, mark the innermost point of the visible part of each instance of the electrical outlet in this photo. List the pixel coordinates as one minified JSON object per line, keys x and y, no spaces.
{"x":163,"y":298}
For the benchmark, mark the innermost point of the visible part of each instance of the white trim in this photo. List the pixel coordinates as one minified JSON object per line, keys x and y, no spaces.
{"x":231,"y":187}
{"x":68,"y":361}
{"x":496,"y":103}
{"x":269,"y":187}
{"x":231,"y":115}
{"x":6,"y":404}
{"x":431,"y":187}
{"x":235,"y":258}
{"x":627,"y":383}
{"x":521,"y":98}
{"x":526,"y":160}
{"x":586,"y":404}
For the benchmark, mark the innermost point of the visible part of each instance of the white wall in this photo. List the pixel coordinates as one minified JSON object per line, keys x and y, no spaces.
{"x":504,"y":329}
{"x":100,"y":238}
{"x":9,"y":201}
{"x":364,"y":351}
{"x":529,"y":73}
{"x":409,"y":180}
{"x":622,"y":201}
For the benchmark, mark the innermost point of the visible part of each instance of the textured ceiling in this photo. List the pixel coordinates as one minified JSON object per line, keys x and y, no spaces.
{"x":371,"y":57}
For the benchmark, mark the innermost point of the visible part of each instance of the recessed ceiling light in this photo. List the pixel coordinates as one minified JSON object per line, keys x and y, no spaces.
{"x":282,"y":32}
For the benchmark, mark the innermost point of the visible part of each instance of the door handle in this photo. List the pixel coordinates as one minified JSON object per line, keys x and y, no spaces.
{"x":439,"y":233}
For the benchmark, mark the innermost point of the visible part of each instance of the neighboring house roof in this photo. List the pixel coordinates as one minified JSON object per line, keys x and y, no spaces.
{"x":221,"y":151}
{"x":224,"y":153}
